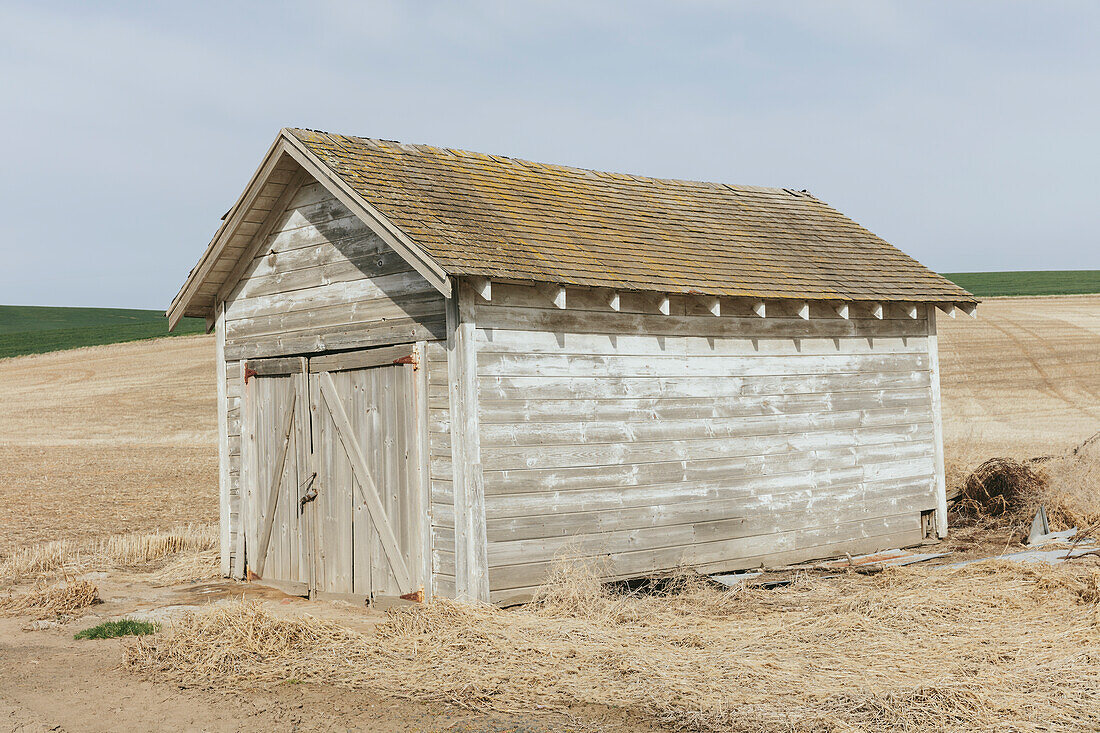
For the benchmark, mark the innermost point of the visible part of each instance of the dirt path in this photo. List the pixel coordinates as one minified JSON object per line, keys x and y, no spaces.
{"x":50,"y":682}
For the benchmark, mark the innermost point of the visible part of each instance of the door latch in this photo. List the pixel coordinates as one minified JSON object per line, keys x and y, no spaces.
{"x":310,"y":495}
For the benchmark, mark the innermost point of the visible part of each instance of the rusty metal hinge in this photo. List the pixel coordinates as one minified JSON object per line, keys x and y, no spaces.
{"x":417,"y":596}
{"x":410,"y":359}
{"x":249,"y":373}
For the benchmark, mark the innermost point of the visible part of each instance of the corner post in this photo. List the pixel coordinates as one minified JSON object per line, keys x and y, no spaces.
{"x":937,"y":423}
{"x":224,"y":511}
{"x":471,"y":561}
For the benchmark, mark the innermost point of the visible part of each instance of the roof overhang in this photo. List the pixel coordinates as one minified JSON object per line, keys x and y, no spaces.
{"x":233,"y":244}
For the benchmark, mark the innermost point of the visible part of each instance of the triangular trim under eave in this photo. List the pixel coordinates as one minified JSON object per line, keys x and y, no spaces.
{"x":287,"y":145}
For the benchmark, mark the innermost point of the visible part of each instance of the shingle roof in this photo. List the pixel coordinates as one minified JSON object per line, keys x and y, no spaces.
{"x":493,"y":216}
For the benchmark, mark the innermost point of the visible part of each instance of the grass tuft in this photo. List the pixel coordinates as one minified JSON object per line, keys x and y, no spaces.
{"x":115,"y":629}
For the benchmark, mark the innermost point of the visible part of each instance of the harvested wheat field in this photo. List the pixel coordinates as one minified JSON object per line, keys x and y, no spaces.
{"x":107,"y":439}
{"x":1023,"y":378}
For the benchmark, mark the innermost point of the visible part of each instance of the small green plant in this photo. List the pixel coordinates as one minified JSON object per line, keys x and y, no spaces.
{"x":122,"y":627}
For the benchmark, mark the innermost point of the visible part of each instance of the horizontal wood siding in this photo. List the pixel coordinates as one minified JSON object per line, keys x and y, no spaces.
{"x":648,"y":440}
{"x":323,"y":281}
{"x":440,"y":472}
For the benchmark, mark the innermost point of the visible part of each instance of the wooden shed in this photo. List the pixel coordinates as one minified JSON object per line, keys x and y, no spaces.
{"x":438,"y":371}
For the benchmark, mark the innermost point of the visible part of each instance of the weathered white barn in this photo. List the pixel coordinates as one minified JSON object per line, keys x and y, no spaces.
{"x":439,"y":370}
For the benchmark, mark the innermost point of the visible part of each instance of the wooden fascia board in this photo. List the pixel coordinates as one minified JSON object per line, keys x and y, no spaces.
{"x":229,"y":225}
{"x":387,"y":230}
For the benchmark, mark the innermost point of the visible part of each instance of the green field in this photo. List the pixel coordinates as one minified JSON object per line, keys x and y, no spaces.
{"x":30,"y":329}
{"x":1027,"y":282}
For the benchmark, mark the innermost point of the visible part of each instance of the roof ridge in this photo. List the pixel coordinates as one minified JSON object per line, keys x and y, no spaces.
{"x":415,"y":148}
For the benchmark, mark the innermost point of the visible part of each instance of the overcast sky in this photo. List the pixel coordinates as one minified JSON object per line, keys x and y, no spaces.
{"x":965,"y":133}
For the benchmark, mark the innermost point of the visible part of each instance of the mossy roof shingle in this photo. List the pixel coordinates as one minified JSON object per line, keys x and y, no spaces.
{"x":492,"y":216}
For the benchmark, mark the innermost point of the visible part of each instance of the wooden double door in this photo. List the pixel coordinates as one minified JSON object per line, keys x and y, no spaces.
{"x":331,"y":478}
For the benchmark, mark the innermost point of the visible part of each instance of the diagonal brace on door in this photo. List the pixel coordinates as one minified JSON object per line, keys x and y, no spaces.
{"x":368,"y":491}
{"x":273,"y":490}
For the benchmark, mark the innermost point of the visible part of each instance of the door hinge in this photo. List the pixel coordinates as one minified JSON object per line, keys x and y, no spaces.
{"x":249,"y":373}
{"x":410,"y":359}
{"x":417,"y":596}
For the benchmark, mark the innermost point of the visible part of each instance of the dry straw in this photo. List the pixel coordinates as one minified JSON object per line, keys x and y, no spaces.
{"x":990,"y":646}
{"x":46,"y":601}
{"x":119,"y":551}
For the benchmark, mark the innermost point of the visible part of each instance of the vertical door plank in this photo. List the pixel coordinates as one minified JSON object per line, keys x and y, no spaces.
{"x":315,"y":510}
{"x":364,"y":484}
{"x":364,"y":540}
{"x":302,"y":475}
{"x":275,"y":518}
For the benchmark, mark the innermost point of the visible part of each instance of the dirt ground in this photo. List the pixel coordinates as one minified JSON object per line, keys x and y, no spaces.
{"x":51,"y":682}
{"x":122,"y":438}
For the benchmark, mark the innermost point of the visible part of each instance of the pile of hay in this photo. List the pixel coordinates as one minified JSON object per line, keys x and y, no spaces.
{"x":136,"y":550}
{"x":990,"y":646}
{"x":48,"y":601}
{"x":1072,"y":495}
{"x":1001,"y":488}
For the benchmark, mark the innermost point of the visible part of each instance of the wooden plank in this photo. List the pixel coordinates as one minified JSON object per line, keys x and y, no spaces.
{"x":306,"y":477}
{"x":368,"y":491}
{"x":563,"y":456}
{"x":773,"y":466}
{"x":275,"y":367}
{"x":681,"y":531}
{"x":735,"y":487}
{"x":735,"y":552}
{"x":285,"y":436}
{"x":937,"y":424}
{"x":418,"y":438}
{"x":245,"y":449}
{"x":549,"y":365}
{"x":903,"y":537}
{"x":402,"y":330}
{"x":472,"y":573}
{"x":757,"y":514}
{"x":589,"y":387}
{"x":291,"y":321}
{"x":524,"y":432}
{"x":502,"y":340}
{"x":337,"y":293}
{"x":319,"y":462}
{"x":387,"y":470}
{"x":360,"y":359}
{"x":610,"y":322}
{"x":370,"y":569}
{"x":224,"y":527}
{"x":534,"y":409}
{"x":458,"y":462}
{"x":321,"y":265}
